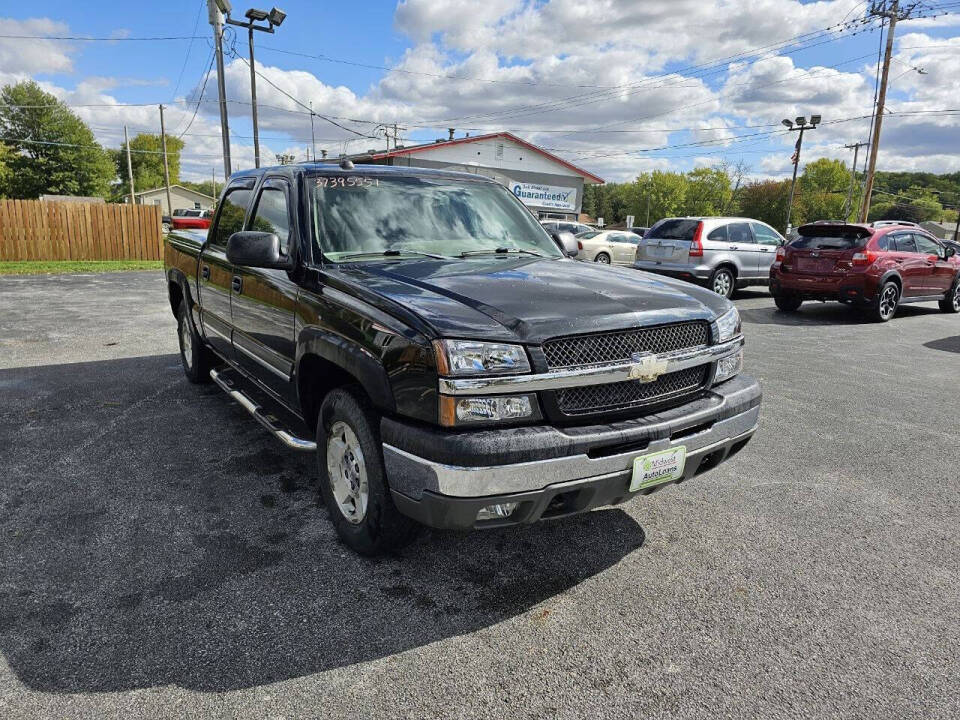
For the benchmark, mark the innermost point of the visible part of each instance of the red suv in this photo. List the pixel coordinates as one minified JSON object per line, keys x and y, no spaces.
{"x":876,"y":268}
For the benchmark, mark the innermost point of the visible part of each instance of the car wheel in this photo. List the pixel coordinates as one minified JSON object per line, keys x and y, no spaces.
{"x":887,"y":301}
{"x":722,"y":282}
{"x":788,"y":303}
{"x":951,"y":303}
{"x":353,"y":481}
{"x":165,"y":227}
{"x":602,"y":258}
{"x":194,"y":355}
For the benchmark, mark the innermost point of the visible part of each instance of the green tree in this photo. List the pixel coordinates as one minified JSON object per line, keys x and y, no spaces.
{"x":915,"y":204}
{"x":53,"y":151}
{"x":822,"y":191}
{"x":708,"y":191}
{"x":765,"y":200}
{"x":146,"y":158}
{"x":5,"y":171}
{"x":666,"y":191}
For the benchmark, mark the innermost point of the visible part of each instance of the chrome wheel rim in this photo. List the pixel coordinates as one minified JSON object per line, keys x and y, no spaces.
{"x":888,"y":302}
{"x":603,"y":259}
{"x":186,"y":341}
{"x":347,"y":472}
{"x":722,"y":283}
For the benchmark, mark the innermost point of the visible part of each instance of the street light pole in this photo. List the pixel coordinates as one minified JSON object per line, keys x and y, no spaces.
{"x":801,"y":125}
{"x":275,"y":17}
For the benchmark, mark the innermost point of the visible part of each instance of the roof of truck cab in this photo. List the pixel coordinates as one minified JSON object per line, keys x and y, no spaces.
{"x":333,"y":168}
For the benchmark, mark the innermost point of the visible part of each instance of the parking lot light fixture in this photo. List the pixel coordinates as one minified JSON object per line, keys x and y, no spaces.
{"x":787,"y":122}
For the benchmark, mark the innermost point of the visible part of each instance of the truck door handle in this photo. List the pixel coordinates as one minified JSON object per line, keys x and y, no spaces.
{"x":205,"y":272}
{"x":237,"y":284}
{"x":734,"y":247}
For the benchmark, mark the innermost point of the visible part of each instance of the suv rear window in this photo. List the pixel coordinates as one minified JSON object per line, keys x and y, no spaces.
{"x":840,"y":241}
{"x":674,"y":229}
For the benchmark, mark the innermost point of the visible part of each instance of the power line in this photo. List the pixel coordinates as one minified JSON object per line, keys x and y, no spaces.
{"x":99,"y":39}
{"x":206,"y":77}
{"x":196,"y":24}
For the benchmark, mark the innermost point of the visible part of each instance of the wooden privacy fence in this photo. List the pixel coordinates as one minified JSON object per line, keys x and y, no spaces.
{"x":35,"y":230}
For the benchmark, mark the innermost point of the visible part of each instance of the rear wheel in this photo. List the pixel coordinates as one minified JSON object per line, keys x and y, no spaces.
{"x":195,"y":357}
{"x":353,"y":481}
{"x":165,"y":228}
{"x":887,"y":301}
{"x":602,"y":258}
{"x":722,"y":282}
{"x":951,"y":303}
{"x":788,"y":303}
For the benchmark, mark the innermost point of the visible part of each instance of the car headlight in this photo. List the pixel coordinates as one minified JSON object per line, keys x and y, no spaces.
{"x":728,"y":326}
{"x":471,"y":357}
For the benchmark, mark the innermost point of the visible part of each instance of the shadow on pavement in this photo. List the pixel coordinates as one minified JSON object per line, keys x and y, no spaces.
{"x":830,"y":313}
{"x":153,"y":534}
{"x":947,"y":344}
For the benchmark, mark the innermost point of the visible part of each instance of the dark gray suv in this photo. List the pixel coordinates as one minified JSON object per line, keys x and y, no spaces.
{"x":722,"y":253}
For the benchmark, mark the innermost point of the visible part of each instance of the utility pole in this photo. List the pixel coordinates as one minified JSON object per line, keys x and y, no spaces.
{"x":126,"y":141}
{"x":275,"y":17}
{"x":893,"y":14}
{"x":848,"y":204}
{"x":801,"y":125}
{"x":313,"y":138}
{"x":213,"y":179}
{"x":647,"y":223}
{"x":215,"y":10}
{"x":166,"y":168}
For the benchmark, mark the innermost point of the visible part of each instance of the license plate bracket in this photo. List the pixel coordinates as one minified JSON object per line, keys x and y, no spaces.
{"x":658,"y":467}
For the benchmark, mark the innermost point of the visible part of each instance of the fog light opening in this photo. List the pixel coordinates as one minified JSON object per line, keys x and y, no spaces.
{"x":496,"y":512}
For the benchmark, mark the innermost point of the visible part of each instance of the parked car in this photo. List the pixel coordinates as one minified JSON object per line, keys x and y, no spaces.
{"x":574,"y":228}
{"x":414,"y":324}
{"x":191,"y":219}
{"x":888,"y":223}
{"x":641,"y":231}
{"x":721,"y":252}
{"x":617,"y":247}
{"x":876,"y":269}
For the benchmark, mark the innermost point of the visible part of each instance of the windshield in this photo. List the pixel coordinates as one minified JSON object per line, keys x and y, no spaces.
{"x":362,"y":217}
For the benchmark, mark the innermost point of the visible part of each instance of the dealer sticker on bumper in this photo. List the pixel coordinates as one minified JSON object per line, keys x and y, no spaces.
{"x":658,"y":467}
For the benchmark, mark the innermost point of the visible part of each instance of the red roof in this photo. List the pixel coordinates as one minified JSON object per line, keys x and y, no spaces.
{"x":426,"y":147}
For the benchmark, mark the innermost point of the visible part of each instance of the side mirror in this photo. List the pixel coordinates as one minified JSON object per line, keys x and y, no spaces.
{"x":257,"y":249}
{"x":566,"y":242}
{"x":950,"y":251}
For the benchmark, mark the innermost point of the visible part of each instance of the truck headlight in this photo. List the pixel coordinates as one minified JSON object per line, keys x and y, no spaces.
{"x":471,"y":357}
{"x":728,"y":325}
{"x":457,"y":411}
{"x":729,"y":366}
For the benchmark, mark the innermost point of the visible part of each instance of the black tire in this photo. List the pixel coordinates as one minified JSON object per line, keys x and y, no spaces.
{"x":380,"y":527}
{"x":602,"y":258}
{"x":788,"y":303}
{"x":165,"y":228}
{"x":888,"y":300}
{"x":723,"y":282}
{"x":951,"y":303}
{"x":195,"y":357}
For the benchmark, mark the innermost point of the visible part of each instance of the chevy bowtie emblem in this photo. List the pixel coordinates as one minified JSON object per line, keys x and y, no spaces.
{"x":646,"y":367}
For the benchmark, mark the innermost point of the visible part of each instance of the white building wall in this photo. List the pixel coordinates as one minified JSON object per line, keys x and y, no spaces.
{"x":498,"y":153}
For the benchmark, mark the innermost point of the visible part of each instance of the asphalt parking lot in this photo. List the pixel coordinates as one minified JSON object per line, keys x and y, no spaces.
{"x":162,"y":556}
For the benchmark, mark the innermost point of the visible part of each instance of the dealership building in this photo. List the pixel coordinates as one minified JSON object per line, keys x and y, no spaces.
{"x":548,"y":185}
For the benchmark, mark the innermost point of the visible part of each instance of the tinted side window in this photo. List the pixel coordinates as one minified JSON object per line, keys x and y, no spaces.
{"x":739,"y":233}
{"x":272,"y":215}
{"x":905,"y":243}
{"x":550,"y":227}
{"x":234,"y":207}
{"x":568,"y":227}
{"x":765,"y":235}
{"x":718,"y":234}
{"x":927,"y":246}
{"x":882,"y":243}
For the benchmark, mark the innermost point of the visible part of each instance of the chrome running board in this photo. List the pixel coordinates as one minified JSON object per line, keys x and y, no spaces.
{"x":261,"y":416}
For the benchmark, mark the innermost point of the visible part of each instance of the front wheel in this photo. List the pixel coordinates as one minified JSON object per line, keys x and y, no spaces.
{"x":353,"y":481}
{"x":887,"y":301}
{"x":788,"y":303}
{"x":602,"y":258}
{"x":165,"y":228}
{"x":951,"y":303}
{"x":194,"y":355}
{"x":722,"y":282}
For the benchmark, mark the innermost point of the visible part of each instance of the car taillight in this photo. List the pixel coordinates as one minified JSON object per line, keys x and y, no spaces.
{"x":579,"y":245}
{"x":781,"y":253}
{"x":696,"y":246}
{"x":864,"y":258}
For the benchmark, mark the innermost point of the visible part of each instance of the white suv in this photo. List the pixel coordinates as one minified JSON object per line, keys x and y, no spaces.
{"x":722,"y":253}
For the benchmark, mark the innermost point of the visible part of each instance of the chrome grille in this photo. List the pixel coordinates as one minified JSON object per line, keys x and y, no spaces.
{"x":619,"y":346}
{"x":632,"y":393}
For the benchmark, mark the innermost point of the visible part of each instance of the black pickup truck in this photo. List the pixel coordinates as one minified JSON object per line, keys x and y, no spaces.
{"x":449,"y":365}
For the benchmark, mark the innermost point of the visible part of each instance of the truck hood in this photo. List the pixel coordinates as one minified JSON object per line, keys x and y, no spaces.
{"x":530,"y":299}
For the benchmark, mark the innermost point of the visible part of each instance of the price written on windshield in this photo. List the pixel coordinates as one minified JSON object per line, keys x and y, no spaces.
{"x":347,"y":181}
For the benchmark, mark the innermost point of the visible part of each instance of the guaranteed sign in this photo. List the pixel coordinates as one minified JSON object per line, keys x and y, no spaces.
{"x":546,"y":196}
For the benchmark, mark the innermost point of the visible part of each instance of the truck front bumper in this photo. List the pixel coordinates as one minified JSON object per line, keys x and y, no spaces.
{"x":443,"y":479}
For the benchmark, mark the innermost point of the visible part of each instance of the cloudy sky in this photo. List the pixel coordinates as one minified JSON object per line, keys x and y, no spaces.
{"x":615,"y":86}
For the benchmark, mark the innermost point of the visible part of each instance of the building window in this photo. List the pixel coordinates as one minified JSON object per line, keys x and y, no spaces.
{"x":196,"y":206}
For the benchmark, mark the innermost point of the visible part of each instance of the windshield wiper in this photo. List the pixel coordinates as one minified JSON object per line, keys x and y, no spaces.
{"x":392,"y":252}
{"x":500,"y":251}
